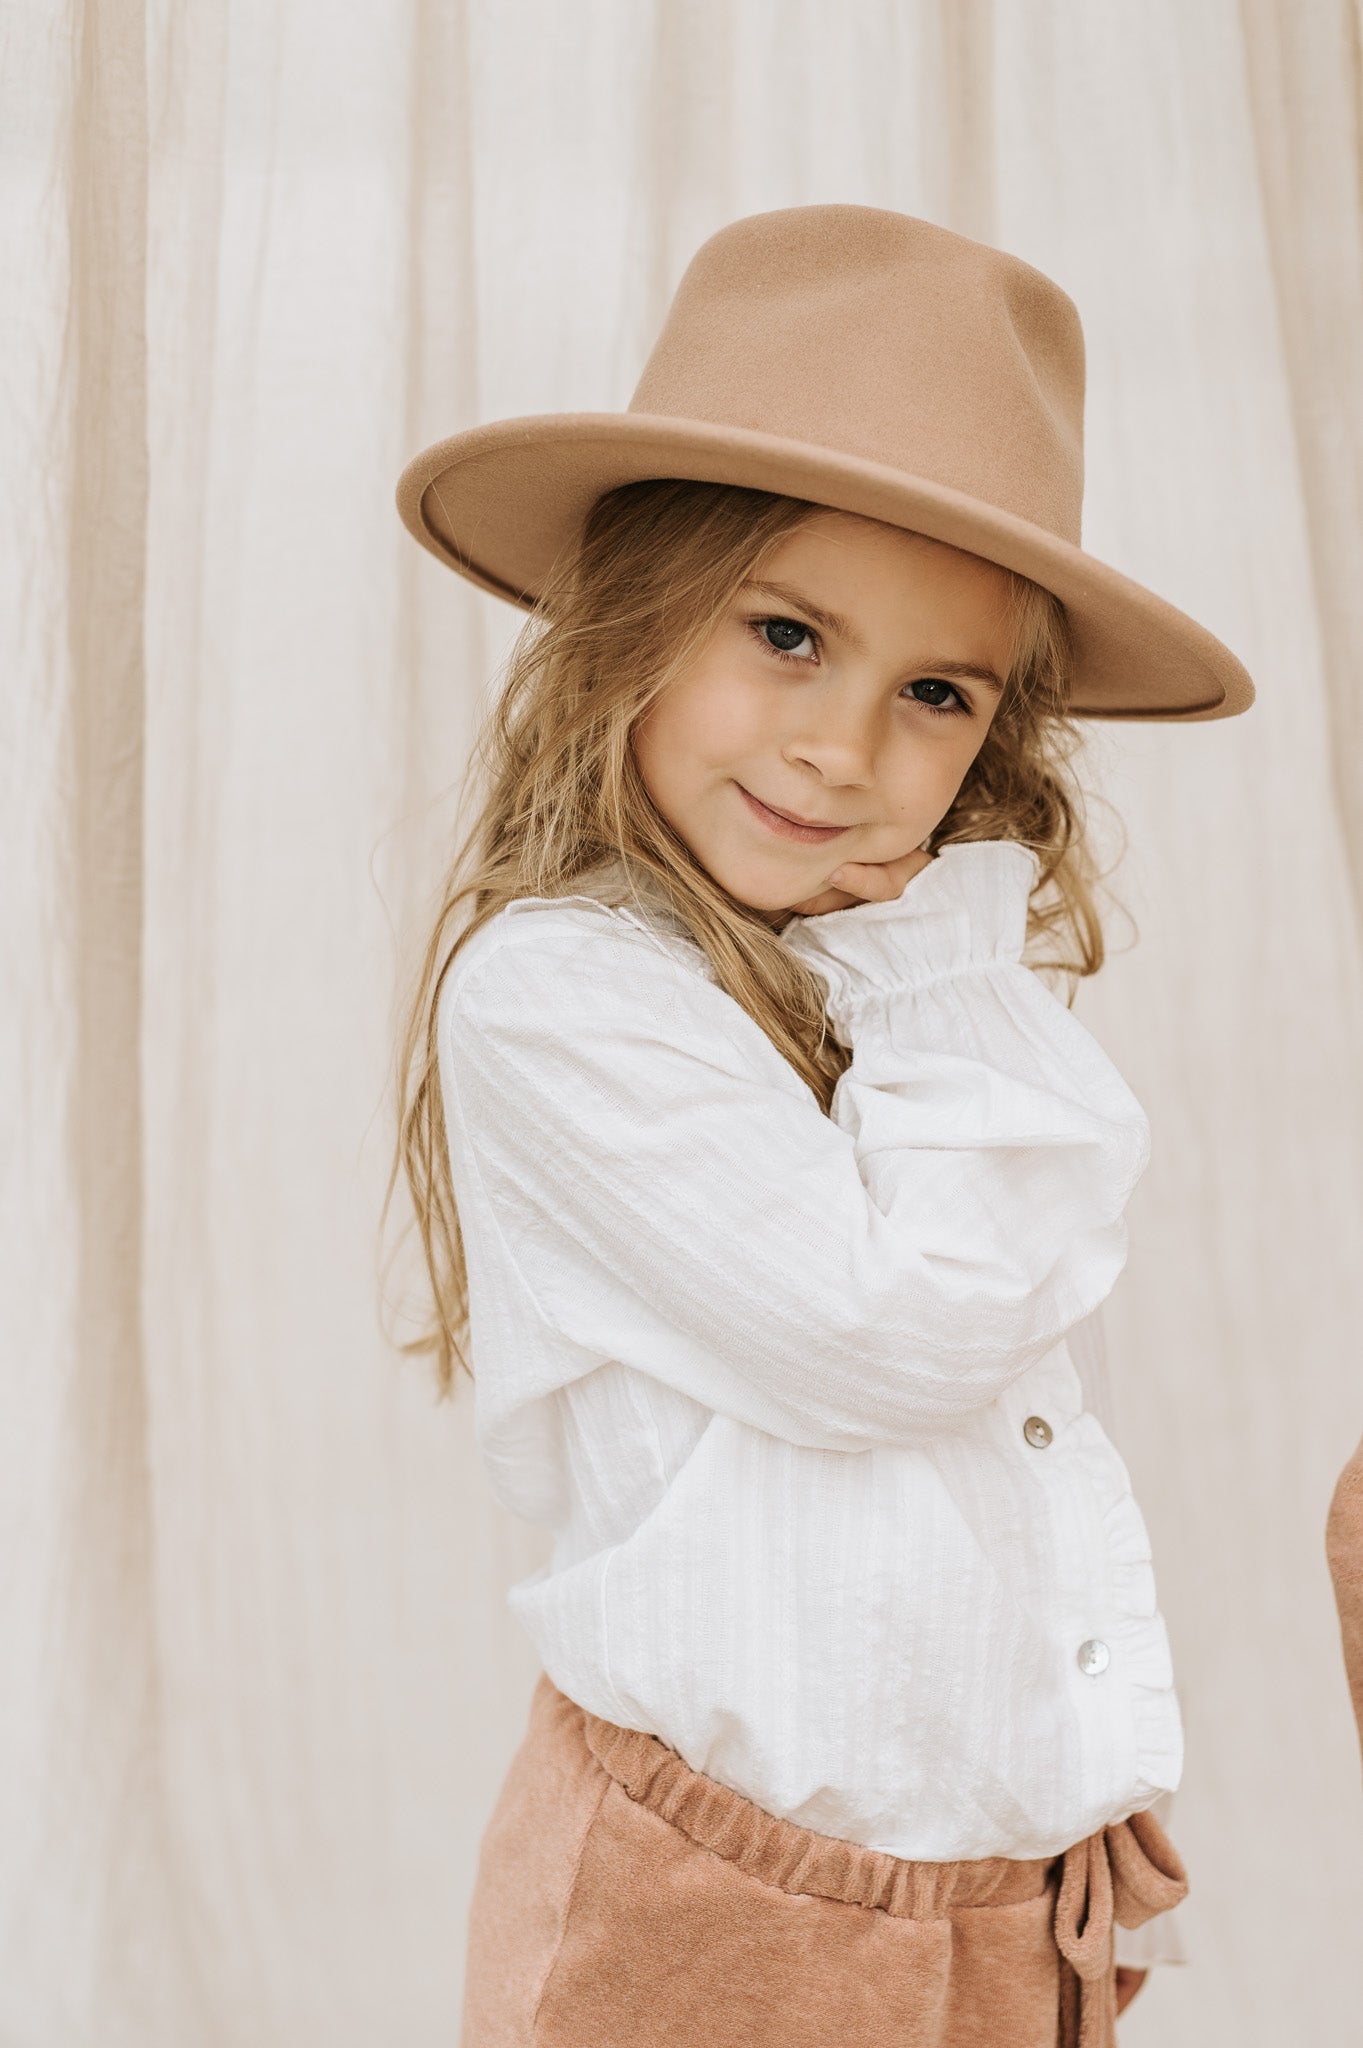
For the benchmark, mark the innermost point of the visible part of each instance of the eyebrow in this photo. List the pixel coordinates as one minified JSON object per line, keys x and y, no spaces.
{"x":834,"y":622}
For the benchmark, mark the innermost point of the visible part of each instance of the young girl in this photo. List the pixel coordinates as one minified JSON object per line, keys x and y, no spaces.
{"x":764,"y":1186}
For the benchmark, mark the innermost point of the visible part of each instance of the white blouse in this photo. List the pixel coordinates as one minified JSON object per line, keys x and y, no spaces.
{"x":794,"y":1392}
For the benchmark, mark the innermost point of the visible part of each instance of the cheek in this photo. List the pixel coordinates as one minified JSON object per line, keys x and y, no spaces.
{"x":739,"y":714}
{"x":699,"y":723}
{"x":929,"y":766}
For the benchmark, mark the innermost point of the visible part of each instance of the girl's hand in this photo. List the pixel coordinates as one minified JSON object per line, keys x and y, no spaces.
{"x":1129,"y":1982}
{"x":860,"y":881}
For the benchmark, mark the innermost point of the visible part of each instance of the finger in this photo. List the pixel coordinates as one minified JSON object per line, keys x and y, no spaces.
{"x":828,"y":899}
{"x":874,"y":884}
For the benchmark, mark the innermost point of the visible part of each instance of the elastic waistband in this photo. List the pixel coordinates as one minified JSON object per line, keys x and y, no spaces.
{"x":794,"y":1858}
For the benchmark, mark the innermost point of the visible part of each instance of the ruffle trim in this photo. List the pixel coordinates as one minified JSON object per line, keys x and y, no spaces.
{"x":967,"y":908}
{"x":1138,"y":1637}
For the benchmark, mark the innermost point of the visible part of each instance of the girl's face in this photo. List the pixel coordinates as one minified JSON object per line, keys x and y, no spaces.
{"x":855,"y":696}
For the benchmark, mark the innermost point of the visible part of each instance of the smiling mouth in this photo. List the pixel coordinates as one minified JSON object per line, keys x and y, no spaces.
{"x":789,"y":828}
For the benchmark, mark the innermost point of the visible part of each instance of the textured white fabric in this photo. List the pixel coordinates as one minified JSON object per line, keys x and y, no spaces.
{"x":765,"y":1372}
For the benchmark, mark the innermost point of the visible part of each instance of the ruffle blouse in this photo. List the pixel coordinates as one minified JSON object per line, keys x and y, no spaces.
{"x":793,"y":1392}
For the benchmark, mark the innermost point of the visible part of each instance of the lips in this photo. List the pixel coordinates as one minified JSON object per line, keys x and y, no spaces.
{"x":787,"y":827}
{"x":794,"y":818}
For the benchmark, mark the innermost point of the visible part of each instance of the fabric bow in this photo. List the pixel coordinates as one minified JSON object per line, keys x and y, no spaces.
{"x":1123,"y":1874}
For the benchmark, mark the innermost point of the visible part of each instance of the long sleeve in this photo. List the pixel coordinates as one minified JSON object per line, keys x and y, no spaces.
{"x":671,"y":1194}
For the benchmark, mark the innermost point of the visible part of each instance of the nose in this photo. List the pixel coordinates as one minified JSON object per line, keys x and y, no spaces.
{"x":839,"y":745}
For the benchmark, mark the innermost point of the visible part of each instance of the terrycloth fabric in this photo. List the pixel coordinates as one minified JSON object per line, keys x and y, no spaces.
{"x":625,"y":1901}
{"x":793,"y":1392}
{"x":1344,"y":1548}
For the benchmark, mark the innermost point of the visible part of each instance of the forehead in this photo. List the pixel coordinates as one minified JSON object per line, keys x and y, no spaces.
{"x":848,"y":543}
{"x":885,"y":590}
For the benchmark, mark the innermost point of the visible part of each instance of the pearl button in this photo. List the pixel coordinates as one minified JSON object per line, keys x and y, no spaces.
{"x":1094,"y":1657}
{"x":1037,"y":1431}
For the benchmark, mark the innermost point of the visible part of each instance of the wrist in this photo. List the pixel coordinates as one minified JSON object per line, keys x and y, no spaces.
{"x":964,"y":909}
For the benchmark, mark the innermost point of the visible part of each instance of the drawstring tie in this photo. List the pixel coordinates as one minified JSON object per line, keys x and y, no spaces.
{"x":1124,"y":1874}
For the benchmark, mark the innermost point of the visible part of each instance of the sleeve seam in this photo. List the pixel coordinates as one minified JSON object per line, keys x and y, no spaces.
{"x":507,"y":938}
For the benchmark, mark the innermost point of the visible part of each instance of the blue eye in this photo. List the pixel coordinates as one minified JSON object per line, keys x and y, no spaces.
{"x":951,"y":710}
{"x":788,"y":626}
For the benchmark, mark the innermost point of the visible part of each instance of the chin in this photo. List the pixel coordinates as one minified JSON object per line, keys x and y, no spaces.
{"x":770,"y":897}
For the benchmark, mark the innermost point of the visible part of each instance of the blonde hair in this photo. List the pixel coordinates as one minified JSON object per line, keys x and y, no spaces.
{"x":623,"y":612}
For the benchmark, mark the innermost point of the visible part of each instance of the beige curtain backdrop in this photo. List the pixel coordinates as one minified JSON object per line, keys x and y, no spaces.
{"x":258,"y":1687}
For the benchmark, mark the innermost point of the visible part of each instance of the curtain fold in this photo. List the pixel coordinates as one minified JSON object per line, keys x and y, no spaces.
{"x":1304,"y":72}
{"x":260,"y":1684}
{"x":83,"y":1869}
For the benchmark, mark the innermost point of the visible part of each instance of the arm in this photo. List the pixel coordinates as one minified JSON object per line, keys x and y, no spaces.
{"x":672,"y":1194}
{"x":1344,"y":1554}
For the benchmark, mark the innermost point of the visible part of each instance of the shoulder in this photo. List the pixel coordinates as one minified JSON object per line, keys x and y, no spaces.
{"x":570,"y":951}
{"x":569,"y":981}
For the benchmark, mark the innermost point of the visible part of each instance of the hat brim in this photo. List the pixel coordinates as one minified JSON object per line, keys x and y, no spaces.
{"x":499,"y":502}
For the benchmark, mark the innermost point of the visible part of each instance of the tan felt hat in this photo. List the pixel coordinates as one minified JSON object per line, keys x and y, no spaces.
{"x":867,"y":361}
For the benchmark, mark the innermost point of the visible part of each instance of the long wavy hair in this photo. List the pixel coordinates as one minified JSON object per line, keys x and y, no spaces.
{"x":623,"y":612}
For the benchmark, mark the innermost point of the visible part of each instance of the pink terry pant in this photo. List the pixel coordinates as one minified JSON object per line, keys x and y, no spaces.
{"x":624,"y":1900}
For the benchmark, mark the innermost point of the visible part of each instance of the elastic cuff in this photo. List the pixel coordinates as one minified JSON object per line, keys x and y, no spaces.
{"x":966,"y":909}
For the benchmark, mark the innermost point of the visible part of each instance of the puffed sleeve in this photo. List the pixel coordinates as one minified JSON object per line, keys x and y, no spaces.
{"x":672,"y":1195}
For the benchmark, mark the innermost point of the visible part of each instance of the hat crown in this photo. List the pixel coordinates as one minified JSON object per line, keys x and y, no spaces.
{"x":886,"y":338}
